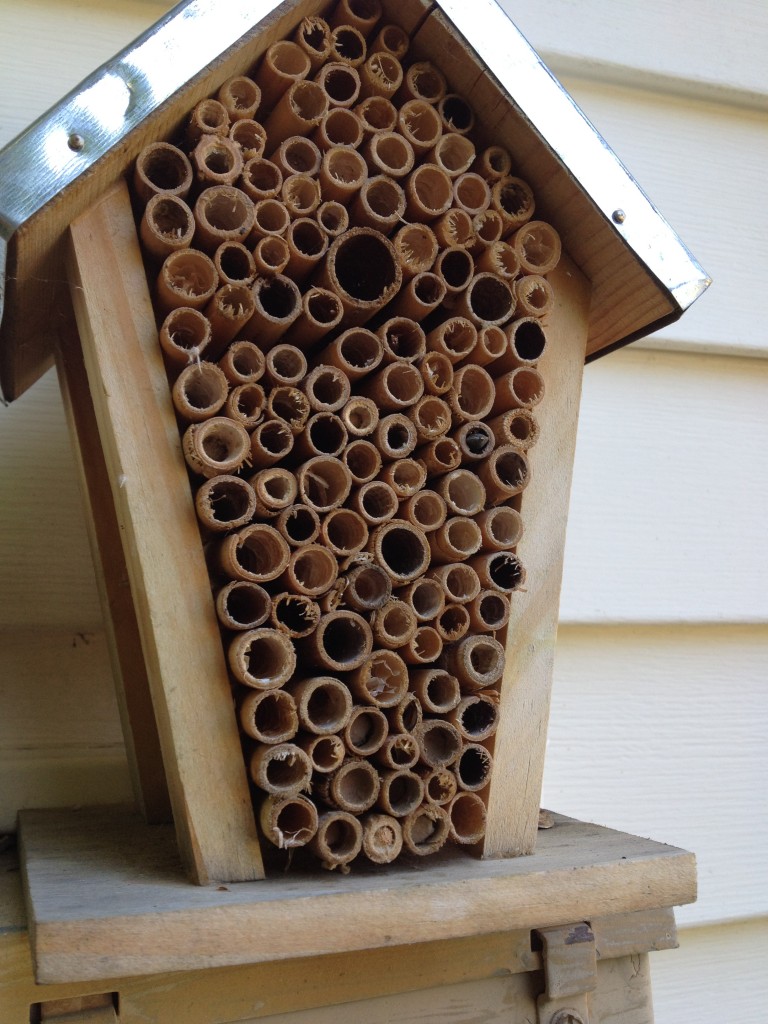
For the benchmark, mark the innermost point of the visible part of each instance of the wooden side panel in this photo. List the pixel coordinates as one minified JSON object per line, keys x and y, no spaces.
{"x":182,"y":650}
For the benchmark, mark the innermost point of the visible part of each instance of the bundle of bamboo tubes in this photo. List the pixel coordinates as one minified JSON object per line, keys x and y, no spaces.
{"x":352,"y":299}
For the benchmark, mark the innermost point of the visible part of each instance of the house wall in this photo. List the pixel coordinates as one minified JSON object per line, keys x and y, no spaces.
{"x":660,"y":684}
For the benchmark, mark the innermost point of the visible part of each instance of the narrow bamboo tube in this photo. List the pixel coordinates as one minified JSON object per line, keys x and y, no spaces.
{"x":342,"y":174}
{"x":462,"y":492}
{"x":395,"y":436}
{"x":467,"y":818}
{"x":263,"y":659}
{"x":423,"y":648}
{"x":454,"y":228}
{"x":208,"y":117}
{"x":456,"y":114}
{"x":230,"y":309}
{"x":517,"y":426}
{"x":225,"y":503}
{"x":187,"y":278}
{"x":426,"y":510}
{"x":222,"y":214}
{"x":416,"y":248}
{"x":476,"y":716}
{"x":534,"y":296}
{"x":256,"y":552}
{"x":339,"y":839}
{"x":289,"y":405}
{"x":261,"y":179}
{"x":492,"y":163}
{"x":323,"y":704}
{"x":419,"y":296}
{"x":353,"y":787}
{"x":453,"y":154}
{"x":419,"y":124}
{"x":382,"y":838}
{"x":428,"y":193}
{"x":380,"y":75}
{"x":501,"y":570}
{"x":491,"y":344}
{"x":402,"y":339}
{"x":501,"y":528}
{"x":476,"y":661}
{"x":275,"y":489}
{"x":473,"y":767}
{"x":437,"y":690}
{"x":440,"y":456}
{"x":270,"y":219}
{"x":297,"y":155}
{"x":475,"y":439}
{"x":332,"y":218}
{"x":379,"y":204}
{"x":339,"y":127}
{"x":240,"y":97}
{"x":471,"y":193}
{"x":298,"y":525}
{"x":361,"y":267}
{"x":327,"y":388}
{"x":402,"y":791}
{"x":284,"y":364}
{"x":342,"y":642}
{"x":166,"y":225}
{"x":324,"y":434}
{"x":455,"y":266}
{"x":360,"y":416}
{"x":388,"y":153}
{"x":499,"y":258}
{"x":271,"y":441}
{"x":505,"y":473}
{"x":283,"y":65}
{"x":439,"y":784}
{"x":217,"y":161}
{"x":300,"y":110}
{"x":361,"y":14}
{"x":301,"y":195}
{"x":321,"y":312}
{"x":217,"y":445}
{"x":278,"y":304}
{"x":313,"y":35}
{"x":488,"y":227}
{"x":452,"y":623}
{"x":522,"y":388}
{"x":250,"y":136}
{"x":282,"y":769}
{"x":405,"y":477}
{"x":472,"y":395}
{"x":423,"y":81}
{"x":288,"y":822}
{"x":348,"y":45}
{"x":459,"y":538}
{"x":513,"y":199}
{"x":161,"y":168}
{"x":459,"y":581}
{"x":326,"y":753}
{"x":312,"y":570}
{"x":377,"y":114}
{"x":393,"y":624}
{"x":405,"y":716}
{"x":296,"y":615}
{"x":344,"y":532}
{"x":526,"y":343}
{"x":401,"y":549}
{"x":375,"y":501}
{"x":382,"y":681}
{"x":394,"y":388}
{"x":365,"y":731}
{"x":199,"y":392}
{"x":399,"y":750}
{"x":340,"y":83}
{"x":425,"y":830}
{"x":234,"y":264}
{"x":307,"y":245}
{"x":426,"y":596}
{"x":437,"y":371}
{"x":356,"y":352}
{"x":242,"y":605}
{"x":489,"y":611}
{"x":368,"y":587}
{"x":392,"y":39}
{"x":269,"y":716}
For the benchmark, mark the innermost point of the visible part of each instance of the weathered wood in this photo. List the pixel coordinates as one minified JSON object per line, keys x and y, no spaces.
{"x":177,"y":622}
{"x":570,"y":962}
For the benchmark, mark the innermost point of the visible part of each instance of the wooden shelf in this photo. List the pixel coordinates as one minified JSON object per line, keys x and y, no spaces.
{"x":107,"y":897}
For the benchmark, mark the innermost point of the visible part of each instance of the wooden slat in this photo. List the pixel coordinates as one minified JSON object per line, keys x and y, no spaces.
{"x":180,"y":640}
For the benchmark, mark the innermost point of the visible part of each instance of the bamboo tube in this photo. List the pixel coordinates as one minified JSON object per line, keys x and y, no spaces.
{"x":419,"y":296}
{"x":399,"y":750}
{"x":388,"y":153}
{"x":307,"y":245}
{"x":379,"y":204}
{"x":440,"y":456}
{"x":454,"y":228}
{"x":362,"y":269}
{"x":394,"y":624}
{"x":437,"y":691}
{"x":216,"y":446}
{"x":425,"y":596}
{"x":382,"y":681}
{"x":499,"y":258}
{"x":526,"y":342}
{"x":290,"y":406}
{"x":261,"y":179}
{"x":166,"y":225}
{"x":513,"y":199}
{"x":488,"y":227}
{"x":425,"y":830}
{"x":473,"y":768}
{"x":326,"y":753}
{"x":323,"y":704}
{"x":240,"y":96}
{"x":453,"y":154}
{"x":487,"y":300}
{"x":297,"y":155}
{"x":522,"y":388}
{"x":462,"y":492}
{"x":396,"y":387}
{"x":363,"y":461}
{"x":395,"y":436}
{"x":475,"y":439}
{"x":234,"y":264}
{"x":245,"y":404}
{"x":222,"y":214}
{"x":401,"y":792}
{"x":368,"y":587}
{"x":405,"y":716}
{"x":199,"y":392}
{"x":460,"y":582}
{"x":402,"y":339}
{"x":270,"y":219}
{"x":365,"y":731}
{"x":361,"y":14}
{"x":360,"y":416}
{"x":283,"y":65}
{"x":217,"y":161}
{"x":419,"y":124}
{"x":439,"y":784}
{"x":353,"y":787}
{"x":471,"y":193}
{"x":278,"y":304}
{"x":282,"y":769}
{"x":356,"y":352}
{"x":501,"y":528}
{"x":380,"y":75}
{"x":427,"y":192}
{"x":161,"y":168}
{"x":187,"y":278}
{"x":344,"y":532}
{"x":270,"y":441}
{"x":459,"y":538}
{"x":476,"y":661}
{"x":505,"y":473}
{"x":250,"y":136}
{"x":324,"y":434}
{"x":288,"y":822}
{"x":263,"y":659}
{"x":340,"y":84}
{"x":493,"y":163}
{"x":269,"y":716}
{"x":455,"y":266}
{"x":333,"y":218}
{"x":339,"y":839}
{"x":327,"y":388}
{"x":489,"y":611}
{"x":437,"y":371}
{"x":225,"y":503}
{"x":376,"y":114}
{"x":476,"y":716}
{"x":342,"y":174}
{"x":426,"y":510}
{"x":230,"y":309}
{"x":472,"y":395}
{"x":534,"y":296}
{"x":275,"y":489}
{"x":339,"y":127}
{"x":423,"y":81}
{"x":342,"y":642}
{"x":405,"y":477}
{"x":391,"y":39}
{"x":467,"y":818}
{"x":298,"y":525}
{"x":300,"y":109}
{"x":296,"y":615}
{"x":208,"y":117}
{"x":324,"y":483}
{"x":312,"y":570}
{"x":301,"y":195}
{"x":348,"y":45}
{"x":491,"y":344}
{"x":256,"y":552}
{"x":537,"y":246}
{"x":321,"y":312}
{"x":382,"y":838}
{"x":452,"y":623}
{"x":424,"y":646}
{"x":313,"y":35}
{"x":456,"y":114}
{"x":500,"y":570}
{"x":284,"y":365}
{"x":401,"y":549}
{"x":242,"y":605}
{"x":517,"y":426}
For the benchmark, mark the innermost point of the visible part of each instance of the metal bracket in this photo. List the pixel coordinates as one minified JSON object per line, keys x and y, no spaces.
{"x":570,"y":973}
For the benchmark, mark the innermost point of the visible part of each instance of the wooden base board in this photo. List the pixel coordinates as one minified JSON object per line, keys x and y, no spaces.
{"x":107,"y":897}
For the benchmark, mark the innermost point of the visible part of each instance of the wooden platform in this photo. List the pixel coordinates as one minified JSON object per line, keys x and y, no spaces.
{"x":107,"y":897}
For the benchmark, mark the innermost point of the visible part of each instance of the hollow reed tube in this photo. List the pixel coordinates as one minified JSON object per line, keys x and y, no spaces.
{"x":393,"y":624}
{"x":501,"y":528}
{"x":416,"y":248}
{"x":270,"y":441}
{"x":342,"y":174}
{"x":234,"y":263}
{"x":365,"y":731}
{"x":395,"y":437}
{"x":476,"y":661}
{"x":423,"y":81}
{"x":241,"y":605}
{"x":361,"y":267}
{"x":534,"y":296}
{"x":311,"y":570}
{"x":425,"y":830}
{"x":440,"y":456}
{"x":476,"y":716}
{"x":353,"y":787}
{"x":363,"y":461}
{"x":382,"y":838}
{"x":456,"y":114}
{"x":249,"y":136}
{"x":261,"y":179}
{"x":161,"y":168}
{"x":419,"y":123}
{"x":277,"y":304}
{"x":326,"y":753}
{"x":501,"y":570}
{"x":342,"y":642}
{"x":290,"y":407}
{"x":230,"y":309}
{"x":323,"y":704}
{"x":357,"y":352}
{"x":360,"y":14}
{"x":459,"y":581}
{"x":298,"y":524}
{"x":399,"y":750}
{"x":338,"y":840}
{"x":299,"y":111}
{"x":284,"y":64}
{"x":437,"y":690}
{"x":405,"y":477}
{"x":216,"y":446}
{"x":167,"y":225}
{"x":321,"y":312}
{"x":199,"y":392}
{"x":297,"y":155}
{"x":452,"y":153}
{"x":263,"y":658}
{"x":401,"y":549}
{"x":222,"y":214}
{"x":522,"y":388}
{"x":426,"y":510}
{"x":405,"y":716}
{"x":420,"y":296}
{"x":428,"y":193}
{"x":473,"y":767}
{"x":437,"y":371}
{"x":255,"y":552}
{"x":382,"y":681}
{"x":394,"y":388}
{"x":381,"y":74}
{"x":332,"y":218}
{"x":475,"y":439}
{"x":217,"y":161}
{"x":513,"y":200}
{"x":489,"y":611}
{"x":452,"y":623}
{"x":225,"y":503}
{"x":313,"y":35}
{"x":268,"y":716}
{"x":467,"y":818}
{"x":296,"y":615}
{"x":423,"y":647}
{"x":431,"y":416}
{"x":282,"y":769}
{"x":344,"y":532}
{"x":454,"y":338}
{"x":187,"y":278}
{"x":348,"y":45}
{"x":440,"y":784}
{"x":327,"y":388}
{"x":368,"y":587}
{"x":458,"y":539}
{"x":426,"y":596}
{"x":288,"y":822}
{"x":324,"y":434}
{"x":505,"y":473}
{"x":379,"y":204}
{"x":339,"y":127}
{"x":518,"y":427}
{"x":499,"y":258}
{"x":401,"y":792}
{"x":462,"y":491}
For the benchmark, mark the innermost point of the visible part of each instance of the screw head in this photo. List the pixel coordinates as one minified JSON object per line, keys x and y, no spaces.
{"x":567,"y":1017}
{"x":619,"y":216}
{"x":75,"y":142}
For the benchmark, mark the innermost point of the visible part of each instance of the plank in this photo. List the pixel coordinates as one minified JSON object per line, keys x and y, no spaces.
{"x":520,"y":743}
{"x":96,"y":880}
{"x":166,"y":567}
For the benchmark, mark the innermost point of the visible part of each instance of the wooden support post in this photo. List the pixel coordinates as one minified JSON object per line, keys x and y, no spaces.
{"x":187,"y":673}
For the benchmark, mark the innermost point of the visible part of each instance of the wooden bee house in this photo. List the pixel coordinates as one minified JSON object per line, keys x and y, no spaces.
{"x":448,"y":132}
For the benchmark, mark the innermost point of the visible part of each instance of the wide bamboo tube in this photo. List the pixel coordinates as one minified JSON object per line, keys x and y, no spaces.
{"x":455,"y":266}
{"x":419,"y":124}
{"x":513,"y":199}
{"x":324,"y":483}
{"x":458,"y":539}
{"x":440,"y":456}
{"x":242,"y":605}
{"x":363,"y":461}
{"x":216,"y":161}
{"x":167,"y":225}
{"x":453,"y":154}
{"x":476,"y":661}
{"x":487,"y":300}
{"x":428,"y":193}
{"x":473,"y":767}
{"x":284,"y":64}
{"x":368,"y":587}
{"x":392,"y":39}
{"x":356,"y":352}
{"x":454,"y":228}
{"x":394,"y":388}
{"x":488,"y":227}
{"x":534,"y":296}
{"x":452,"y":623}
{"x":437,"y":690}
{"x":505,"y":473}
{"x":375,"y":501}
{"x":278,"y":304}
{"x":401,"y":549}
{"x":395,"y":436}
{"x":199,"y":392}
{"x":499,"y":258}
{"x":393,"y":624}
{"x":419,"y":296}
{"x":379,"y":204}
{"x":348,"y":45}
{"x":401,"y":792}
{"x":462,"y":492}
{"x":261,"y":179}
{"x":339,"y":127}
{"x":342,"y":642}
{"x":275,"y":489}
{"x":381,"y":74}
{"x":423,"y":648}
{"x":338,"y":840}
{"x":382,"y":681}
{"x":301,"y":195}
{"x":365,"y":731}
{"x":216,"y":446}
{"x":161,"y":168}
{"x":271,"y":441}
{"x":298,"y":524}
{"x":290,"y":406}
{"x":313,"y":35}
{"x":360,"y":416}
{"x":240,"y":96}
{"x":377,"y":114}
{"x":426,"y":596}
{"x":269,"y":716}
{"x":437,"y":372}
{"x":402,"y":339}
{"x":399,"y":750}
{"x":405,"y":477}
{"x":416,"y":248}
{"x":353,"y":787}
{"x":333,"y":218}
{"x":234,"y":264}
{"x":518,"y":427}
{"x":225,"y":503}
{"x":382,"y":838}
{"x":537,"y":246}
{"x":501,"y":570}
{"x":472,"y":395}
{"x":526,"y":343}
{"x":405,"y":716}
{"x":423,"y":81}
{"x":344,"y":532}
{"x":476,"y":716}
{"x":222,"y":214}
{"x":256,"y":552}
{"x":284,"y":364}
{"x":296,"y":615}
{"x":489,"y":611}
{"x":471,"y":193}
{"x":326,"y":753}
{"x":501,"y":527}
{"x":522,"y":388}
{"x":282,"y":769}
{"x":297,"y":155}
{"x":324,"y":434}
{"x":459,"y":581}
{"x":187,"y":278}
{"x":230,"y":309}
{"x":323,"y":704}
{"x":425,"y":830}
{"x":263,"y":659}
{"x":250,"y":136}
{"x":312,"y":570}
{"x":342,"y":174}
{"x":440,"y":784}
{"x":467,"y":818}
{"x":426,"y":510}
{"x":475,"y":439}
{"x":327,"y":389}
{"x":362,"y":269}
{"x":288,"y":822}
{"x":300,"y":110}
{"x":360,"y":14}
{"x":390,"y":154}
{"x":208,"y":117}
